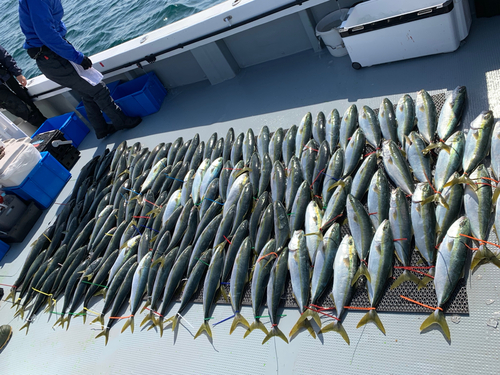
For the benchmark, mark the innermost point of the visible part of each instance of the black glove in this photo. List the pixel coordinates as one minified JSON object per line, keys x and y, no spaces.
{"x":86,"y":63}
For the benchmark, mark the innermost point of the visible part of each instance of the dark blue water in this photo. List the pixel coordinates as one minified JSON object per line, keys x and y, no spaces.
{"x":96,"y":25}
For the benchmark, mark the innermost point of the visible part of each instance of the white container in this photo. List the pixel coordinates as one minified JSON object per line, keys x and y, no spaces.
{"x":19,"y":160}
{"x":381,"y":31}
{"x":8,"y":129}
{"x":328,"y":30}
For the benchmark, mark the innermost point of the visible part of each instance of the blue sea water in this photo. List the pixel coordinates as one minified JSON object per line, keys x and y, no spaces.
{"x":96,"y":25}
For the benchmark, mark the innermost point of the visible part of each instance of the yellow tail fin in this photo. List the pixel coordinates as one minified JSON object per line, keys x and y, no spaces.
{"x":305,"y":323}
{"x":405,"y":276}
{"x":482,"y":256}
{"x":146,"y":319}
{"x":104,"y":333}
{"x":310,"y":314}
{"x":129,"y":322}
{"x":371,"y":316}
{"x":27,"y":326}
{"x":20,"y":313}
{"x":12,"y":295}
{"x":205,"y":327}
{"x":99,"y":319}
{"x":256,"y":324}
{"x":362,"y":270}
{"x":336,"y":327}
{"x":437,"y":317}
{"x":238,"y":319}
{"x":275,"y":331}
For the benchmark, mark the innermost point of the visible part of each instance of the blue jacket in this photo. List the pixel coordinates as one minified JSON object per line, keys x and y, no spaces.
{"x":8,"y":63}
{"x":42,"y":25}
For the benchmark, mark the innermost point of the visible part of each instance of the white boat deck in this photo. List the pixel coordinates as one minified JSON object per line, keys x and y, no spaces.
{"x":278,"y":94}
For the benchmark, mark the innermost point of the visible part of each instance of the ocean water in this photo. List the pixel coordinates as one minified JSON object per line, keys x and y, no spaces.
{"x":96,"y":25}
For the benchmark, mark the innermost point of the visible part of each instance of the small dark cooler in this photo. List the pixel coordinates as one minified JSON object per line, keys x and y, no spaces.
{"x":67,"y":155}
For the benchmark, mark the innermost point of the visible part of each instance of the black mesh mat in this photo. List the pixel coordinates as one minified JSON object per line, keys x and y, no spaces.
{"x":391,"y":301}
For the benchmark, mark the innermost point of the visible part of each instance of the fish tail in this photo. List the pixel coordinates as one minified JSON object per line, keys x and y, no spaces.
{"x":256,"y":324}
{"x":59,"y":320}
{"x":104,"y":333}
{"x":99,"y":319}
{"x":12,"y":295}
{"x":405,"y":276}
{"x":437,"y":317}
{"x":336,"y":327}
{"x":238,"y":319}
{"x":462,"y":180}
{"x":362,"y":270}
{"x":275,"y":332}
{"x":371,"y":316}
{"x":146,"y":319}
{"x":205,"y":327}
{"x":129,"y":322}
{"x":20,"y":313}
{"x":304,"y":323}
{"x":27,"y":326}
{"x":16,"y":303}
{"x":310,"y":314}
{"x":224,"y":294}
{"x":432,"y":146}
{"x":481,"y":256}
{"x":100,"y":292}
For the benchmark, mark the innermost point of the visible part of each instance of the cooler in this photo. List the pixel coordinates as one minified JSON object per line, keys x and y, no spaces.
{"x":381,"y":31}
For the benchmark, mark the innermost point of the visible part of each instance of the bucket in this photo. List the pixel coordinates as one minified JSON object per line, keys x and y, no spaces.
{"x":327,"y":29}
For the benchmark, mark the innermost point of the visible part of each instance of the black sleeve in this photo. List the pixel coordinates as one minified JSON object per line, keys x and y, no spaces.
{"x":9,"y":63}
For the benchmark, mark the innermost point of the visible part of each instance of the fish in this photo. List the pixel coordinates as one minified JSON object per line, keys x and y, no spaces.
{"x":263,"y":141}
{"x":450,"y":261}
{"x":299,"y":267}
{"x":337,"y":202}
{"x":405,"y":117}
{"x":293,"y":181}
{"x":308,"y":160}
{"x":276,"y":145}
{"x":319,"y":128}
{"x":451,"y":113}
{"x":420,"y":162}
{"x":198,"y":178}
{"x":121,"y":296}
{"x":312,"y":232}
{"x":138,"y":288}
{"x":192,"y":285}
{"x":239,"y":279}
{"x":363,"y":176}
{"x":320,"y":167}
{"x":397,"y":167}
{"x":248,"y":146}
{"x":281,"y":225}
{"x":449,"y":159}
{"x":238,"y":238}
{"x":477,"y":142}
{"x":204,"y":242}
{"x":210,"y":287}
{"x":224,"y":179}
{"x":288,"y":146}
{"x":217,"y":150}
{"x":278,"y":182}
{"x":379,"y":269}
{"x":195,"y":142}
{"x":478,"y":205}
{"x":426,"y":116}
{"x":235,"y":191}
{"x":228,"y":145}
{"x":237,"y":150}
{"x":260,"y":278}
{"x":255,"y":217}
{"x":387,"y":120}
{"x":353,"y":152}
{"x":333,"y":174}
{"x":332,"y":129}
{"x":345,"y":267}
{"x":453,"y":195}
{"x":210,"y":145}
{"x":255,"y":173}
{"x":128,"y":250}
{"x":265,"y":229}
{"x":348,"y":125}
{"x":275,"y":289}
{"x":304,"y":133}
{"x":211,"y":173}
{"x":298,"y":214}
{"x":243,"y":207}
{"x":197,"y":156}
{"x":153,"y":174}
{"x":362,"y":231}
{"x":368,"y":122}
{"x":421,"y":218}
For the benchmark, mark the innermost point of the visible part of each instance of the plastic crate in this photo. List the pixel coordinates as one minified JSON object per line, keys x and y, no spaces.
{"x":72,"y":127}
{"x":3,"y":249}
{"x":112,"y":87}
{"x":67,"y":155}
{"x":141,"y":96}
{"x":44,"y":183}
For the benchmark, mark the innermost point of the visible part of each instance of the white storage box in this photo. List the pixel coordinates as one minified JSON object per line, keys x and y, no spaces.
{"x":380,"y":31}
{"x":8,"y":129}
{"x":19,"y":160}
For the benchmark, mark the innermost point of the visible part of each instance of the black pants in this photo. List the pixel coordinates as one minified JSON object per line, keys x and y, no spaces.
{"x":95,"y":98}
{"x":15,"y":99}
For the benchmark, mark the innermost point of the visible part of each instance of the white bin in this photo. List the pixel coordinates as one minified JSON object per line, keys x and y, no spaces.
{"x":381,"y":31}
{"x":8,"y":129}
{"x":327,"y":30}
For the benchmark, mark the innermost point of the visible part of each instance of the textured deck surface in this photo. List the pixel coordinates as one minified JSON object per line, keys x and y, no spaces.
{"x":278,"y":94}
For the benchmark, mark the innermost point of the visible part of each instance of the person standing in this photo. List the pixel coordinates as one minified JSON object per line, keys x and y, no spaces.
{"x":42,"y":25}
{"x":13,"y":94}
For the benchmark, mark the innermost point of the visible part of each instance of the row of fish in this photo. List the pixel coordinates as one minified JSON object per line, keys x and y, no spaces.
{"x":253,"y":210}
